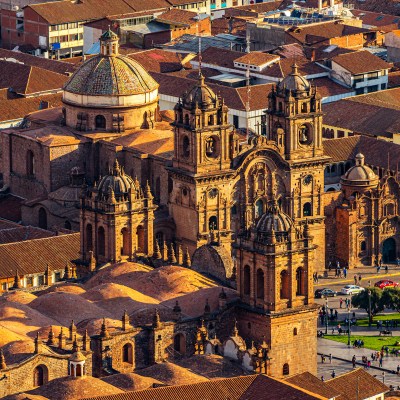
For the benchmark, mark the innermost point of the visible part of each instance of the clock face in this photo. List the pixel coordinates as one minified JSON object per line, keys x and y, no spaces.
{"x":213,"y":193}
{"x":308,"y":179}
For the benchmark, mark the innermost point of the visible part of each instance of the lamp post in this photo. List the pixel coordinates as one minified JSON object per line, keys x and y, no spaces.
{"x":348,"y":331}
{"x":369,"y":308}
{"x":326,"y":315}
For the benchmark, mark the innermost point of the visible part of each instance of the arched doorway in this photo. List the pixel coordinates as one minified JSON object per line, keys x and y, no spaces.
{"x":389,"y":251}
{"x":127,"y":353}
{"x":180,"y":343}
{"x":40,"y":375}
{"x":140,"y":239}
{"x":100,"y":122}
{"x":42,"y":218}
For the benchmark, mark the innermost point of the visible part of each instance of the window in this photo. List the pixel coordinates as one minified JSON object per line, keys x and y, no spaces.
{"x":127,"y":353}
{"x":89,"y":237}
{"x":236,"y":121}
{"x":29,"y":281}
{"x":359,"y":91}
{"x":363,"y":245}
{"x":307,"y":210}
{"x":246,"y":280}
{"x":30,"y":163}
{"x":285,"y":369}
{"x":57,"y":276}
{"x":42,"y":218}
{"x":40,"y":280}
{"x":101,"y":239}
{"x":373,"y":88}
{"x":100,"y":122}
{"x":260,"y":284}
{"x":40,"y":375}
{"x":4,"y":286}
{"x":213,"y":223}
{"x":295,"y":332}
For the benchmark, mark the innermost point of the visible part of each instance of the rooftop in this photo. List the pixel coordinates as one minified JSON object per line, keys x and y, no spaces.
{"x":360,"y":62}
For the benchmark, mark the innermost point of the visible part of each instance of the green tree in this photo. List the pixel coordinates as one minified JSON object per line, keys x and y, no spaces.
{"x":391,"y":298}
{"x":369,"y":296}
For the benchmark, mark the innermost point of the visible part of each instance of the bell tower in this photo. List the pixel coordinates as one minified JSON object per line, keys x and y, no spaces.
{"x":295,"y":125}
{"x":201,"y":169}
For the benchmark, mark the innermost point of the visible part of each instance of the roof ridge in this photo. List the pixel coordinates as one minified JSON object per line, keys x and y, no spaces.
{"x":47,"y":238}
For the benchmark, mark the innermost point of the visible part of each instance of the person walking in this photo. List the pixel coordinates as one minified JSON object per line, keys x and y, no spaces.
{"x":353,"y":360}
{"x":380,"y":362}
{"x":359,"y":279}
{"x":330,"y":358}
{"x":345,"y":272}
{"x":333,"y":374}
{"x":341,"y":302}
{"x":355,"y":279}
{"x":386,"y":269}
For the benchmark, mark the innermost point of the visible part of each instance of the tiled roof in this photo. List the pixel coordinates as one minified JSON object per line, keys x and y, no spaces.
{"x":321,"y":31}
{"x":376,"y":19}
{"x":158,"y":60}
{"x":177,"y":17}
{"x":308,"y":381}
{"x":257,"y":58}
{"x":325,"y":52}
{"x":252,"y":387}
{"x":234,"y":26}
{"x":377,"y":152}
{"x":116,"y":75}
{"x":378,"y":114}
{"x":220,"y":57}
{"x":326,"y":87}
{"x":16,"y":107}
{"x":357,"y":384}
{"x":360,"y":62}
{"x":28,"y":80}
{"x":292,"y":50}
{"x":253,"y":9}
{"x":21,"y":233}
{"x":40,"y":62}
{"x":32,"y":256}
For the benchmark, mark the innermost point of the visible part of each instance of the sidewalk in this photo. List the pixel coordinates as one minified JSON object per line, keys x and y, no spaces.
{"x":367,"y":273}
{"x":342,"y":352}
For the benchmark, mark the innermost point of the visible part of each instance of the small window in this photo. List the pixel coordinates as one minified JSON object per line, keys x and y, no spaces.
{"x":295,"y":332}
{"x":285,"y":369}
{"x":363,"y":245}
{"x":307,"y":210}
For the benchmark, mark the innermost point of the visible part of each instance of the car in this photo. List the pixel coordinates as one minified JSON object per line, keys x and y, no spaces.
{"x":384,"y":283}
{"x":351,"y":289}
{"x":325,"y":292}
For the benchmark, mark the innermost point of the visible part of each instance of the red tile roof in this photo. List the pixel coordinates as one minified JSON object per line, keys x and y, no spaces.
{"x":360,"y":62}
{"x":252,"y":10}
{"x":176,"y":16}
{"x":32,"y":256}
{"x":235,"y":26}
{"x":158,"y":60}
{"x":375,"y":18}
{"x":22,"y":233}
{"x":257,"y":58}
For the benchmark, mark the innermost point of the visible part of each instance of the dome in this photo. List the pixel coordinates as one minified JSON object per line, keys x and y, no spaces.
{"x":294,"y":82}
{"x":274,"y":219}
{"x":200,"y":96}
{"x":360,"y":174}
{"x":118,"y":181}
{"x":77,"y":356}
{"x":110,"y":74}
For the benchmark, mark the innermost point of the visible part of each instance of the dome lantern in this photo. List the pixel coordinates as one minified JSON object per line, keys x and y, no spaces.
{"x":109,"y":43}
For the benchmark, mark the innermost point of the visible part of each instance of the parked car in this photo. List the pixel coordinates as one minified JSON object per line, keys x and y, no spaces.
{"x":325,"y":292}
{"x":384,"y":283}
{"x":351,"y":289}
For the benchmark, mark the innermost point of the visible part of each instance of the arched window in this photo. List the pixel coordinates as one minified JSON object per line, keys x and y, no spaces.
{"x":300,"y":282}
{"x":140,"y":239}
{"x":89,"y":237}
{"x":284,"y":287}
{"x":333,"y":169}
{"x":389,"y":209}
{"x":363,"y":245}
{"x":100,"y":122}
{"x":304,"y":108}
{"x":307,"y":211}
{"x":341,"y":168}
{"x":67,"y":225}
{"x":101,"y":241}
{"x":30,"y":163}
{"x":127,"y":353}
{"x":259,"y":208}
{"x":246,"y":280}
{"x":213,"y":223}
{"x":180,"y":343}
{"x":260,"y":284}
{"x":42,"y":218}
{"x":285,"y":369}
{"x":40,"y":375}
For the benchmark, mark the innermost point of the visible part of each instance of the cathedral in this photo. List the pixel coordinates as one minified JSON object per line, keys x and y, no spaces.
{"x":184,"y":186}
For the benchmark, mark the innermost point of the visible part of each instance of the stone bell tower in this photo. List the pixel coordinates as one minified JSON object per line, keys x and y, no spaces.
{"x":295,"y":125}
{"x":116,"y":219}
{"x":199,"y":200}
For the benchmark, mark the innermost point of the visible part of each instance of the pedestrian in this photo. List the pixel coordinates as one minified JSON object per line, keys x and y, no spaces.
{"x":336,"y":272}
{"x":359,"y":279}
{"x":380,"y":362}
{"x":322,"y":359}
{"x":336,"y":314}
{"x":398,"y":369}
{"x":386,"y":269}
{"x":330,"y":358}
{"x":355,"y":279}
{"x":353,"y":360}
{"x":316,"y":277}
{"x":341,"y":302}
{"x":322,"y":378}
{"x":369,"y":283}
{"x":378,"y":268}
{"x":333,"y":373}
{"x":329,"y":266}
{"x":368,"y":364}
{"x":345,"y":272}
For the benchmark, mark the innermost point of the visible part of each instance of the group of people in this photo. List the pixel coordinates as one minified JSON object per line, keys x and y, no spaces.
{"x":346,"y":301}
{"x":339,"y":272}
{"x":358,"y":343}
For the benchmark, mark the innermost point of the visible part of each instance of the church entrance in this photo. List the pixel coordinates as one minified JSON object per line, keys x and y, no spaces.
{"x":389,"y":251}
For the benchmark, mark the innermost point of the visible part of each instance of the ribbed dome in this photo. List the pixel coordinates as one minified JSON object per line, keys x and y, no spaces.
{"x":118,"y":181}
{"x":111,"y":76}
{"x":200,"y":95}
{"x":274,"y":218}
{"x":294,"y":82}
{"x":360,"y":174}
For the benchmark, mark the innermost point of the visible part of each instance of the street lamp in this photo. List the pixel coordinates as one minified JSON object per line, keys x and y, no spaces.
{"x":369,"y":308}
{"x":348,"y":331}
{"x":326,"y":315}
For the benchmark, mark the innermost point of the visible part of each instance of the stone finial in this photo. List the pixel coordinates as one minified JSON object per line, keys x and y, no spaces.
{"x":272,"y":239}
{"x":72,"y":330}
{"x":125,"y":321}
{"x":111,"y":196}
{"x":157,"y":253}
{"x":50,"y":337}
{"x":67,"y":272}
{"x":156,"y":320}
{"x":165,"y":251}
{"x":235,"y":332}
{"x":104,"y":331}
{"x":172,"y":258}
{"x":186,"y":259}
{"x":92,"y":261}
{"x":148,"y":191}
{"x":86,"y":341}
{"x":61,"y":339}
{"x":75,"y":347}
{"x":17,"y":281}
{"x":38,"y":344}
{"x":180,"y":255}
{"x":3,"y":364}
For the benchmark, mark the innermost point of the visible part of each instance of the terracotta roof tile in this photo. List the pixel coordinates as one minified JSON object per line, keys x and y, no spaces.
{"x":32,"y":256}
{"x":257,"y":58}
{"x":158,"y":60}
{"x":367,"y":385}
{"x":375,"y":19}
{"x":22,"y":233}
{"x":253,"y":9}
{"x":361,"y":62}
{"x":178,"y":17}
{"x":234,"y":26}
